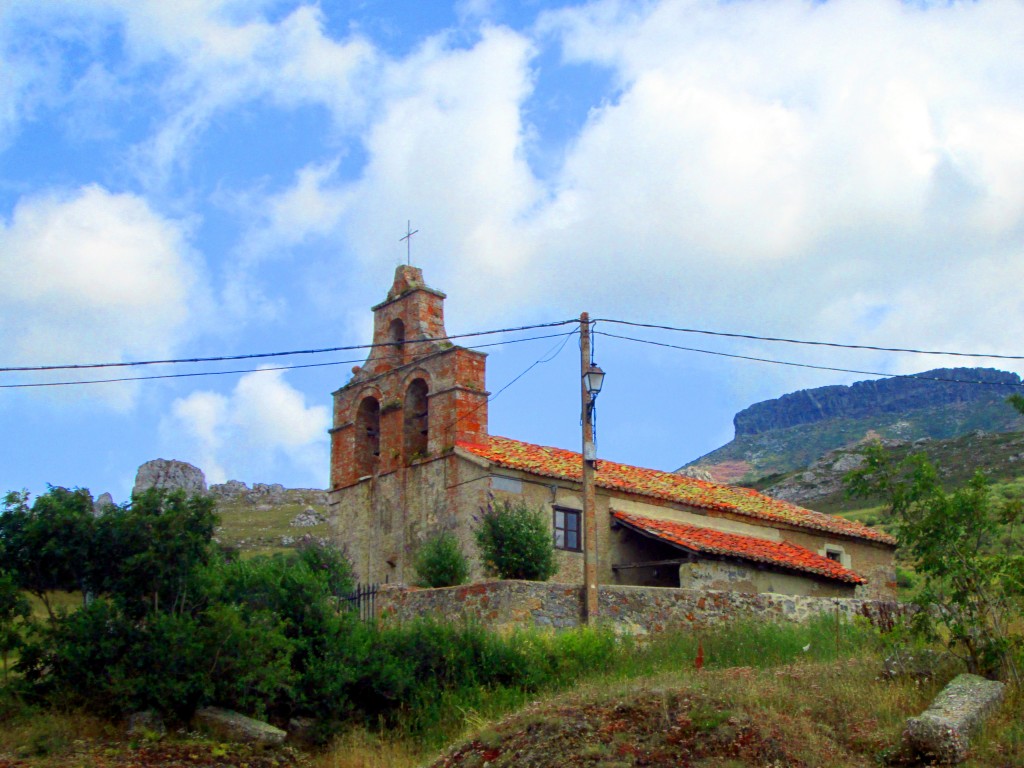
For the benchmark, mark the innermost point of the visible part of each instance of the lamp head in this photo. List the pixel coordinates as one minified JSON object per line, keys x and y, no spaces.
{"x":593,"y":380}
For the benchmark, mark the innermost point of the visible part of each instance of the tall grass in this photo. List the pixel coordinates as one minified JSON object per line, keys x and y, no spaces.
{"x":467,"y":673}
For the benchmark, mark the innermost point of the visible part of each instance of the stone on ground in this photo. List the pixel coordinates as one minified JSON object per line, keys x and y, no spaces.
{"x":233,"y":726}
{"x":944,"y":731}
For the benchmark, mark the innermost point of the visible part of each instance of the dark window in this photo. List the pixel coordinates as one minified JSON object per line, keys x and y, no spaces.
{"x":417,"y":421}
{"x":367,"y":437}
{"x":396,"y":335}
{"x":397,"y":332}
{"x":834,"y":554}
{"x":567,"y":529}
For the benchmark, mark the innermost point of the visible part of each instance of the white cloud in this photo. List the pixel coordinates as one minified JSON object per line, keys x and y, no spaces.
{"x":225,"y":54}
{"x":312,"y":207}
{"x":197,"y":57}
{"x":92,"y":276}
{"x":261,"y":430}
{"x":762,"y":163}
{"x":446,"y":152}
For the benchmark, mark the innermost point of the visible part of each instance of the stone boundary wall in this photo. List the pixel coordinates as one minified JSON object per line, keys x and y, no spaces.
{"x":504,"y":605}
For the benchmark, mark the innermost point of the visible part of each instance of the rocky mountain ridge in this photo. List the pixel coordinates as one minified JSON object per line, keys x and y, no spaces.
{"x":787,"y":433}
{"x":929,"y":389}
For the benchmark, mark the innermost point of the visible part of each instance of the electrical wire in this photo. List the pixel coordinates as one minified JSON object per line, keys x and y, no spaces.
{"x":834,"y":344}
{"x":552,"y":354}
{"x":246,"y":370}
{"x":803,"y":365}
{"x":256,"y":355}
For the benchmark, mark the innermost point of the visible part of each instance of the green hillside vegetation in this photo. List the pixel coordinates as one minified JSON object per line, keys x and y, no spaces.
{"x":1000,"y":456}
{"x":782,"y":451}
{"x":261,"y":531}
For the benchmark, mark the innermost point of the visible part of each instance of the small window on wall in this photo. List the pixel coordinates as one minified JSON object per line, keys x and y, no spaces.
{"x":367,"y":447}
{"x":397,"y":332}
{"x":417,"y":421}
{"x":567,"y":529}
{"x":834,"y":554}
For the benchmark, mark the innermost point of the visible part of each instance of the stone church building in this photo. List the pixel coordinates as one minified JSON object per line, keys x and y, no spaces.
{"x":411,"y":457}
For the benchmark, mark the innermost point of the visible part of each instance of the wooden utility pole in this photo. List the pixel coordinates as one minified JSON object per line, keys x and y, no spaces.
{"x":589,"y":495}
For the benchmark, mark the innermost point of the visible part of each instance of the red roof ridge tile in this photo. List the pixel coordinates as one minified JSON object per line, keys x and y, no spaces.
{"x":710,"y":541}
{"x":669,"y":486}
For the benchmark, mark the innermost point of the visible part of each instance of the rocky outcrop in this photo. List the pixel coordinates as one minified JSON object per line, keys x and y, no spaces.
{"x":943,"y":732}
{"x":868,"y":398}
{"x":264,"y":495}
{"x":696,"y":473}
{"x":822,"y":478}
{"x":102,"y":501}
{"x":307,"y":518}
{"x":171,"y":475}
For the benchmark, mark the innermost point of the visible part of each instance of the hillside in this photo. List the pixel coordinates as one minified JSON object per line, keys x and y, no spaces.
{"x":264,"y":518}
{"x":790,"y":432}
{"x":819,"y":486}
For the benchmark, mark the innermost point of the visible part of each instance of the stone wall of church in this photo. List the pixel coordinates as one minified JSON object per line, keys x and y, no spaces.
{"x":382,"y":520}
{"x":506,"y":605}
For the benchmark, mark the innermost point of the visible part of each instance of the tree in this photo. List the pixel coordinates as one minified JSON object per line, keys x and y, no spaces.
{"x":972,"y":585}
{"x":146,"y":553}
{"x":515,"y":542}
{"x":46,"y":547}
{"x":13,"y":606}
{"x":1017,"y":401}
{"x":440,"y":562}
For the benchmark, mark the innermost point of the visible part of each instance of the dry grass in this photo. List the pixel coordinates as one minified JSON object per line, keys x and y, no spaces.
{"x":806,"y":714}
{"x":809,"y":714}
{"x":360,"y":749}
{"x":45,"y":738}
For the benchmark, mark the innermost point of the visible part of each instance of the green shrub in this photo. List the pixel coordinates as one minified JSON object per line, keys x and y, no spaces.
{"x":440,"y":562}
{"x":331,"y":564}
{"x":515,"y":542}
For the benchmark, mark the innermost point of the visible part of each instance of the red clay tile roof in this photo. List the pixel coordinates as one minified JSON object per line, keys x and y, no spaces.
{"x":707,"y":541}
{"x":557,"y":462}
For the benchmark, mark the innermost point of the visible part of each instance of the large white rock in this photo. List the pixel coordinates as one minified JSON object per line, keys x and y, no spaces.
{"x":235,"y":727}
{"x":170,"y":474}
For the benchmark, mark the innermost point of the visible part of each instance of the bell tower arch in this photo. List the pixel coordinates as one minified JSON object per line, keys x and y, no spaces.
{"x":416,"y":395}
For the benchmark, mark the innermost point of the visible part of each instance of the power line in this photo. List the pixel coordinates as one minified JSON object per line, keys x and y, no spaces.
{"x":834,"y":344}
{"x":353,"y":347}
{"x":551,"y":355}
{"x":257,"y":355}
{"x":804,"y":365}
{"x":246,"y":370}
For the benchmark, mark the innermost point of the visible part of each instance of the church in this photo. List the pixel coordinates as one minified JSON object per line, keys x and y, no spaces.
{"x":411,"y":457}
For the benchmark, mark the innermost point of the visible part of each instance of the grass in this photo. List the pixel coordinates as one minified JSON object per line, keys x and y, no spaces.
{"x":258,"y":530}
{"x":783,"y":692}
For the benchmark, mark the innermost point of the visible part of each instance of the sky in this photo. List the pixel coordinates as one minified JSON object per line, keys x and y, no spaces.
{"x":224,"y":177}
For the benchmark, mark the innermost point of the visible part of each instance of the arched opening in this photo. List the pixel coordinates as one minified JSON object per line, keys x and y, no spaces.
{"x":367,"y":448}
{"x":417,"y":420}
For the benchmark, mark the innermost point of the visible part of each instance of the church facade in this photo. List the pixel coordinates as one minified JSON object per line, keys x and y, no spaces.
{"x":411,"y":457}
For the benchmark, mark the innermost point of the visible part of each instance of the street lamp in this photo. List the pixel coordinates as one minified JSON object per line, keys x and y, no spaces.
{"x":593,"y":380}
